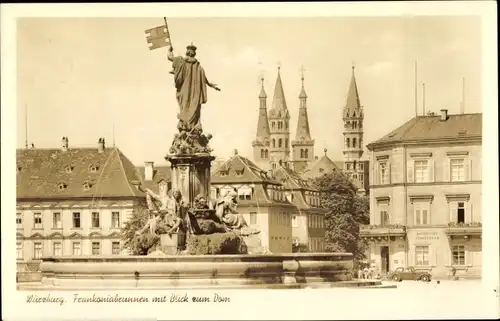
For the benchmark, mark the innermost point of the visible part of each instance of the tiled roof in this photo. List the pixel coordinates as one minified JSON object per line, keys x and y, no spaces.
{"x":159,"y":173}
{"x":291,"y":180}
{"x":320,"y":167}
{"x":42,"y":171}
{"x":424,"y":128}
{"x":241,"y":169}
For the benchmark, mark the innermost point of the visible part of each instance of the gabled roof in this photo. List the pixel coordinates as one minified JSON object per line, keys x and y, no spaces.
{"x":291,"y":180}
{"x":320,"y":167}
{"x":278,"y":107}
{"x":159,"y":173}
{"x":240,"y":169}
{"x":42,"y":171}
{"x":428,"y":128}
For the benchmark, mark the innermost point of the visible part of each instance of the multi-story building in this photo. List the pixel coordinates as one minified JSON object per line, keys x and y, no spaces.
{"x":261,"y":198}
{"x":308,"y":228}
{"x":73,"y":201}
{"x":425,"y":198}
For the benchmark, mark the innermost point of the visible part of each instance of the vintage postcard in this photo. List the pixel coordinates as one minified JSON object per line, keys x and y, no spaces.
{"x":240,"y":161}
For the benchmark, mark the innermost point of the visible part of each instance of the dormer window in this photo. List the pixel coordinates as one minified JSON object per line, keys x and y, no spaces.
{"x":61,"y":186}
{"x":239,"y":172}
{"x":68,"y":168}
{"x":93,"y":168}
{"x":87,"y":185}
{"x":321,"y":170}
{"x":224,"y":173}
{"x":18,"y":169}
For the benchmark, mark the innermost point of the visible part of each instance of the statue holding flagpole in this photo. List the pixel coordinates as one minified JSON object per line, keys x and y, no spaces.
{"x":191,"y":92}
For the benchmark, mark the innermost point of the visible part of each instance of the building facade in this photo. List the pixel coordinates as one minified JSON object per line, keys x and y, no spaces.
{"x":308,"y":228}
{"x":72,"y":201}
{"x":425,"y":199}
{"x":261,"y":201}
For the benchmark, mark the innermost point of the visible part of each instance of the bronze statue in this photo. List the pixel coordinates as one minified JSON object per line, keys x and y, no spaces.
{"x":163,"y":214}
{"x":226,"y":211}
{"x":191,"y":83}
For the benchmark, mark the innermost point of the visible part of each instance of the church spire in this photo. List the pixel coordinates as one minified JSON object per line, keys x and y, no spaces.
{"x":303,"y":145}
{"x":278,"y":106}
{"x":303,"y":132}
{"x":303,"y":94}
{"x":262,"y":123}
{"x":353,"y":104}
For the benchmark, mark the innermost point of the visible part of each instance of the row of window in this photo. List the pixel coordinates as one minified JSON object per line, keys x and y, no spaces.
{"x":279,"y":125}
{"x":76,"y":220}
{"x":70,"y":168}
{"x":282,"y":219}
{"x":353,"y":125}
{"x":354,"y":143}
{"x":422,"y":255}
{"x":315,"y":244}
{"x":421,"y":211}
{"x":57,"y":249}
{"x":352,"y":166}
{"x":315,"y":221}
{"x":304,"y":153}
{"x":422,"y":171}
{"x":280,"y":143}
{"x":264,"y":154}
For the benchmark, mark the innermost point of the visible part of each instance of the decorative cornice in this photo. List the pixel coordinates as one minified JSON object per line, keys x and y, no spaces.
{"x":457,"y":197}
{"x":462,"y":153}
{"x":421,"y":155}
{"x":450,"y":141}
{"x":414,"y":198}
{"x":383,"y":199}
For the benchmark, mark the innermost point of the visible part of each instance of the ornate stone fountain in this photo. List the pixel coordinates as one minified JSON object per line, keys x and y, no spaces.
{"x":191,"y":213}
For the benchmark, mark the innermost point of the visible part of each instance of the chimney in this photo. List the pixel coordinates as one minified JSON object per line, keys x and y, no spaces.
{"x":444,"y":114}
{"x":64,"y":144}
{"x":149,"y":168}
{"x":235,"y":152}
{"x":101,"y":145}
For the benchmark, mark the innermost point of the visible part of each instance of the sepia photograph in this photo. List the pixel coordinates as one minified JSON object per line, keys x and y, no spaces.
{"x":189,"y":158}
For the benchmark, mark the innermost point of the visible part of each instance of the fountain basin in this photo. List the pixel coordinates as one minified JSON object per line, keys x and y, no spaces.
{"x":174,"y":271}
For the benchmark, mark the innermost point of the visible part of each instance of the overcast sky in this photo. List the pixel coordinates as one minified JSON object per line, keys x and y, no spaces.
{"x":79,"y":77}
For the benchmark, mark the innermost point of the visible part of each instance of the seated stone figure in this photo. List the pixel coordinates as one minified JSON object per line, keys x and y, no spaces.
{"x":203,"y":219}
{"x":162,"y":215}
{"x":225,"y":209}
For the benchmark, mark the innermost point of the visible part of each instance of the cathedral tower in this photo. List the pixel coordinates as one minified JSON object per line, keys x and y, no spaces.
{"x":353,"y":135}
{"x":303,"y":145}
{"x":261,"y":144}
{"x":279,"y":120}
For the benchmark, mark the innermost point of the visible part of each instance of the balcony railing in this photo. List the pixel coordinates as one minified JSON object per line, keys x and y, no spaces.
{"x":464,"y":229}
{"x":383,"y":230}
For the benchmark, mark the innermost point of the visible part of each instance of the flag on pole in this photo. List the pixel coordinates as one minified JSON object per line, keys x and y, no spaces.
{"x":158,"y":37}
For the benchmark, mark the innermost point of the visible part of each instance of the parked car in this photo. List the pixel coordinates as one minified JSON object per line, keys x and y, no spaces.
{"x":409,"y":273}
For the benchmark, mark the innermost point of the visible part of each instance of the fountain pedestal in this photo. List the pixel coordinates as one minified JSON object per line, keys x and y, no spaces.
{"x":191,"y":174}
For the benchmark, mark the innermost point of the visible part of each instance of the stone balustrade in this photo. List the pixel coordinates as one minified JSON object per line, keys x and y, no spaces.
{"x":194,"y":271}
